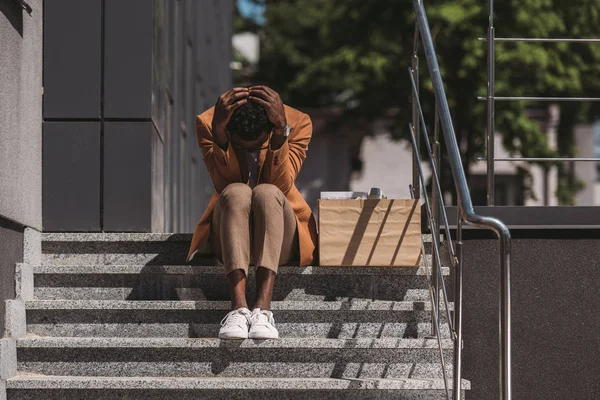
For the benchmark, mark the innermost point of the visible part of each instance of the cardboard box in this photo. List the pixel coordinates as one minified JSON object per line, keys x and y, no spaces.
{"x":370,"y":232}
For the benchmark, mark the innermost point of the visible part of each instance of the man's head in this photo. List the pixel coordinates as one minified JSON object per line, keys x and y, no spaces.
{"x":249,"y":125}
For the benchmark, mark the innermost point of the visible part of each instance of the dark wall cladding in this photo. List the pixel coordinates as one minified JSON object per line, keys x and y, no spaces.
{"x":127,"y":58}
{"x":71,"y":179}
{"x":555,"y":324}
{"x":72,"y":62}
{"x":138,"y":72}
{"x":127,"y":176}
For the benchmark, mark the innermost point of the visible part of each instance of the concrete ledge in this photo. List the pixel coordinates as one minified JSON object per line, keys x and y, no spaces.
{"x":8,"y":360}
{"x":218,"y":270}
{"x":141,"y":305}
{"x":537,"y":217}
{"x":128,"y":237}
{"x":32,"y":246}
{"x":64,"y":382}
{"x":24,"y":281}
{"x":15,"y":325}
{"x":206,"y":343}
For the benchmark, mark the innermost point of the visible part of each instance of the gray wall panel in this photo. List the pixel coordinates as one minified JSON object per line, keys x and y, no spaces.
{"x":71,"y":189}
{"x":21,"y":113}
{"x":128,"y":59}
{"x":127,"y":176}
{"x":72,"y":64}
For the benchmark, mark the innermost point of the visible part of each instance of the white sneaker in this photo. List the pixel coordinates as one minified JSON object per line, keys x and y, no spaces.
{"x":262,"y":325}
{"x":235,"y":324}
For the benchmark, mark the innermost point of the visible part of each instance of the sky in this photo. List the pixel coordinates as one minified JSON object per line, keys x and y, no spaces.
{"x":251,"y":10}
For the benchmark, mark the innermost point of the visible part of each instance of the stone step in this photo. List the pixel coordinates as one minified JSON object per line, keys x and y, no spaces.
{"x":33,"y":387}
{"x":313,"y":319}
{"x":186,"y":282}
{"x":121,"y":248}
{"x":288,"y":357}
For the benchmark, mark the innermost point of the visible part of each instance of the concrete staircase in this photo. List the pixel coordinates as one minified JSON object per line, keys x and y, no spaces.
{"x":120,"y":316}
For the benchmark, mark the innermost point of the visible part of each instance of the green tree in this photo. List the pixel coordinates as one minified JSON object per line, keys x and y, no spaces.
{"x":354,"y":54}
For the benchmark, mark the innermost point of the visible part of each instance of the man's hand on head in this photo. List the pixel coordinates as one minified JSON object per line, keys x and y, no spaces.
{"x":227,"y":103}
{"x":271,"y":101}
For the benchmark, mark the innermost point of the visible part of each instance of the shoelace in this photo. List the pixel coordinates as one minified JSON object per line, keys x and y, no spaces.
{"x":262,"y":317}
{"x":234,"y":317}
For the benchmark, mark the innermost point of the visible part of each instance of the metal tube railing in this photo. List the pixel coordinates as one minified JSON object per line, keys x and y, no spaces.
{"x":543,"y":159}
{"x":542,"y":40}
{"x":468,"y":215}
{"x":437,"y":189}
{"x":415,"y":116}
{"x":557,"y":99}
{"x":491,"y":112}
{"x":458,"y":296}
{"x":434,"y":226}
{"x":437,"y":260}
{"x":436,"y":199}
{"x":436,"y":256}
{"x":491,"y":98}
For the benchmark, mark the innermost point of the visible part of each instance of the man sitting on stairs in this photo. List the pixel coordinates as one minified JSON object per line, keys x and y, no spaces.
{"x":254,"y":146}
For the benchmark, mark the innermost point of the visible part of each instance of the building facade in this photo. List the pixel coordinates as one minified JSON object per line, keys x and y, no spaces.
{"x":98,"y":100}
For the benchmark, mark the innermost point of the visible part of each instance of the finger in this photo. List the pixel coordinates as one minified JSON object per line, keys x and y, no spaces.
{"x":237,"y":96}
{"x":267,"y":89}
{"x":227,"y":97}
{"x":261,"y":88}
{"x":233,"y":91}
{"x":237,"y":104}
{"x":263,"y":94}
{"x":258,"y":100}
{"x":236,"y":90}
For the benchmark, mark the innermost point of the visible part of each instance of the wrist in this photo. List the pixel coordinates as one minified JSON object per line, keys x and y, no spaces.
{"x":281,"y":124}
{"x":220,"y":137}
{"x":284,"y":131}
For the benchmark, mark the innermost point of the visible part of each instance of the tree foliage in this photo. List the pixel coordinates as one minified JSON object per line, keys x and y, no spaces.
{"x":354,"y":54}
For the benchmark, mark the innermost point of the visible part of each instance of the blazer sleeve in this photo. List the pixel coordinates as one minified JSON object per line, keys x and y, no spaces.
{"x":287,"y":161}
{"x":222,"y":165}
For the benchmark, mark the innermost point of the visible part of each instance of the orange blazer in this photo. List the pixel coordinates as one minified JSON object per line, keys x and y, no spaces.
{"x":279,"y":167}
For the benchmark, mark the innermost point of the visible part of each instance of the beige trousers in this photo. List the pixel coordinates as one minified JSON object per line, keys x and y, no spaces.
{"x":255,"y":226}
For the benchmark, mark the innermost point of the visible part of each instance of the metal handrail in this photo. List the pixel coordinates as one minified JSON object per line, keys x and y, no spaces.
{"x":544,"y":159}
{"x":467,"y":215}
{"x":433,"y":208}
{"x":434,"y":163}
{"x":543,"y":40}
{"x":432,"y":223}
{"x":491,"y":101}
{"x":525,"y":98}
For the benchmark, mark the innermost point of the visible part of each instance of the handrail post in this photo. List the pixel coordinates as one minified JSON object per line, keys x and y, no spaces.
{"x":415,"y":113}
{"x":436,"y":213}
{"x":458,"y":294}
{"x":491,"y":42}
{"x":505,"y":321}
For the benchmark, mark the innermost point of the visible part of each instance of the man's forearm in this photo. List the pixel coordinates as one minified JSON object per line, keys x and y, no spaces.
{"x":220,"y":138}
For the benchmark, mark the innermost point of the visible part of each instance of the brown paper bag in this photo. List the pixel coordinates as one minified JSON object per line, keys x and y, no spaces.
{"x":371,"y":232}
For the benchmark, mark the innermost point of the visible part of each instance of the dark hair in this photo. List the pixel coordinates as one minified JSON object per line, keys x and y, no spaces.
{"x":249,"y":121}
